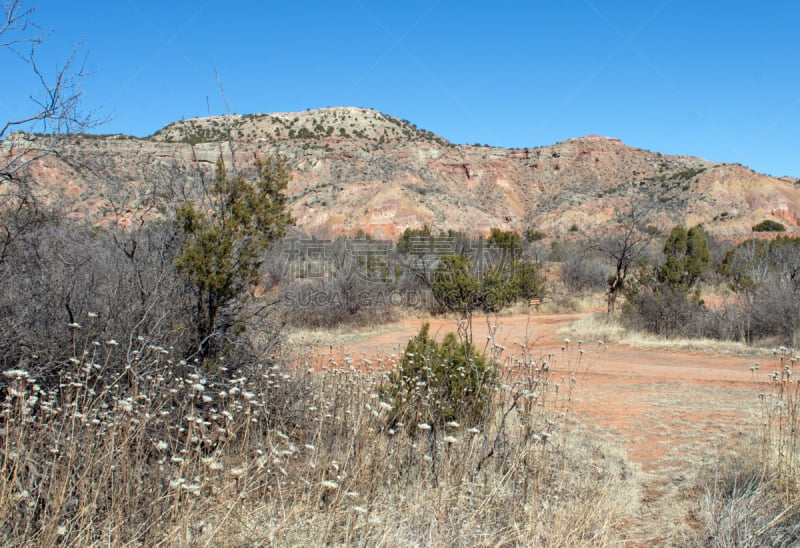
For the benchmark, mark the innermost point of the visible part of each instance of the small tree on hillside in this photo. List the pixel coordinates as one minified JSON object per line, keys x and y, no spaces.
{"x":221,"y":255}
{"x":769,"y":226}
{"x":506,"y":240}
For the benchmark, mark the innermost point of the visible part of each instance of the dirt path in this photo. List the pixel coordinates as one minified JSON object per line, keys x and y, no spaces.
{"x":673,"y":412}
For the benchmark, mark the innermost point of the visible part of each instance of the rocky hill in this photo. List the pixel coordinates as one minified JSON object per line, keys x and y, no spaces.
{"x":358,"y":169}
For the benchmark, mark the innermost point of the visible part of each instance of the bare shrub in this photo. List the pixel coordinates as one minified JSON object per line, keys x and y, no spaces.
{"x":584,"y":272}
{"x":65,"y":281}
{"x":338,"y":301}
{"x":625,"y":246}
{"x":343,"y":282}
{"x":664,"y":311}
{"x":728,"y":321}
{"x":766,"y":278}
{"x":774,"y":310}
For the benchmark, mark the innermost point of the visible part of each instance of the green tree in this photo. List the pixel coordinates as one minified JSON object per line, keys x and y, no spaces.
{"x":497,"y":288}
{"x":769,"y":226}
{"x":454,"y":286}
{"x":507,"y":240}
{"x":529,"y":281}
{"x":415,"y":240}
{"x":661,"y":299}
{"x":439,"y":382}
{"x":223,"y":242}
{"x":698,"y":256}
{"x":509,"y":281}
{"x":688,"y":257}
{"x":534,"y":235}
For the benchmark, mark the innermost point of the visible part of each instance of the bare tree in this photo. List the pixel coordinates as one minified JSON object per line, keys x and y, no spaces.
{"x":55,"y":112}
{"x":625,"y":245}
{"x":56,"y":109}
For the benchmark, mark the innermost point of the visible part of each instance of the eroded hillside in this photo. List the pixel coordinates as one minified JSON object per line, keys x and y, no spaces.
{"x":358,"y":169}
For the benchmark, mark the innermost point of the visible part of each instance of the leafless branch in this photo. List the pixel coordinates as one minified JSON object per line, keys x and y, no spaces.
{"x":57,"y":108}
{"x":15,"y":25}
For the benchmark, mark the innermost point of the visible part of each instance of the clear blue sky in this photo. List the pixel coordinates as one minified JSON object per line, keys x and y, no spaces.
{"x":716,"y":79}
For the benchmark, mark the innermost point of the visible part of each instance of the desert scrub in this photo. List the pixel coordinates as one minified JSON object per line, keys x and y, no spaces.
{"x":744,"y":504}
{"x":769,"y":226}
{"x":440,"y":382}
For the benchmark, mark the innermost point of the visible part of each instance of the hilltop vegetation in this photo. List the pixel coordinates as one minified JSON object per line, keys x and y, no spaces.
{"x":357,"y":125}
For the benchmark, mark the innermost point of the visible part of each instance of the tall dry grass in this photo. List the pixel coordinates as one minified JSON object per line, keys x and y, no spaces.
{"x":294,"y":452}
{"x":609,"y":330}
{"x":752,"y":496}
{"x":780,"y":414}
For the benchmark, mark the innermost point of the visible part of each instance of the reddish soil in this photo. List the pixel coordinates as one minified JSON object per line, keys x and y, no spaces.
{"x":673,"y":412}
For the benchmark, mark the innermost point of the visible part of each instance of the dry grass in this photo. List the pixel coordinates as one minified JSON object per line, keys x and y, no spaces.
{"x":745,"y":504}
{"x":599,"y":327}
{"x":751,"y":495}
{"x":291,"y":453}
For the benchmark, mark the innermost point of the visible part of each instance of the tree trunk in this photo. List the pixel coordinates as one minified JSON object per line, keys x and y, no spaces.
{"x":612,"y":300}
{"x":613,"y":291}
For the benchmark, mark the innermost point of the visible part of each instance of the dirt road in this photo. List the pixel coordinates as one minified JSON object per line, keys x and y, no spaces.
{"x":673,"y":412}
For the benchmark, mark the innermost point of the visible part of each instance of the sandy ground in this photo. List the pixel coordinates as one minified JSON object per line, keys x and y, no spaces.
{"x":672,"y":412}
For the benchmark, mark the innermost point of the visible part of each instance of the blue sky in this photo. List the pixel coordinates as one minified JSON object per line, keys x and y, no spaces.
{"x":720,"y":80}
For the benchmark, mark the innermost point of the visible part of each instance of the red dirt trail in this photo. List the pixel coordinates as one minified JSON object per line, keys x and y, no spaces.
{"x":673,"y":412}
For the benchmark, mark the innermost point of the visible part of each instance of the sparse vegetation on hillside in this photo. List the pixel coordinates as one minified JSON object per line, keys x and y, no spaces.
{"x":534,"y":235}
{"x":340,"y":146}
